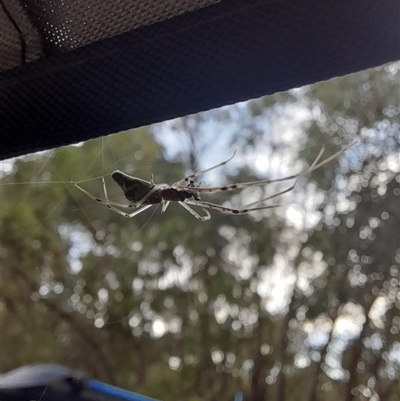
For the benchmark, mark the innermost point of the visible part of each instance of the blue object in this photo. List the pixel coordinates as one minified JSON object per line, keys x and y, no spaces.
{"x":239,"y":397}
{"x":50,"y":382}
{"x":116,"y":392}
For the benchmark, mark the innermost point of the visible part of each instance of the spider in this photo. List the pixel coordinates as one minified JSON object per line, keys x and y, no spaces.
{"x":144,"y":194}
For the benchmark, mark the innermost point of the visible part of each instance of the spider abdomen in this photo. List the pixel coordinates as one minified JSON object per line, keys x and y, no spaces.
{"x":135,"y":189}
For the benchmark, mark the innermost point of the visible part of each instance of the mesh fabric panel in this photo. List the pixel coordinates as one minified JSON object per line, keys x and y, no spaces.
{"x":31,"y":28}
{"x":20,"y":42}
{"x":228,"y":52}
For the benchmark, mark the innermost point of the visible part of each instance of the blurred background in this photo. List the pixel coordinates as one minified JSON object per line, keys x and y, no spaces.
{"x":303,"y":296}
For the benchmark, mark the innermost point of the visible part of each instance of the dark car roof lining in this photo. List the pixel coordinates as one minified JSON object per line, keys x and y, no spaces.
{"x":227,"y":52}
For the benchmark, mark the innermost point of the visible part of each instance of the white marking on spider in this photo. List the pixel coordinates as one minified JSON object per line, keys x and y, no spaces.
{"x":144,"y":194}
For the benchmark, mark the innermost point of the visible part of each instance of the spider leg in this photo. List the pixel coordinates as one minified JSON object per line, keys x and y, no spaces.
{"x":273,"y":196}
{"x":213,"y":167}
{"x":195,"y":214}
{"x":316,"y":166}
{"x":105,"y":189}
{"x":99,"y":200}
{"x":129,"y":215}
{"x":228,"y":210}
{"x":154,"y":189}
{"x":191,"y":177}
{"x":248,"y":208}
{"x":109,"y":203}
{"x":164,"y":206}
{"x":321,"y":152}
{"x":233,"y":187}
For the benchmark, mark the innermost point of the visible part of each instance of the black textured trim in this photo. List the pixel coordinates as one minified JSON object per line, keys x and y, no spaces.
{"x":222,"y":54}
